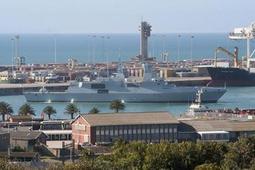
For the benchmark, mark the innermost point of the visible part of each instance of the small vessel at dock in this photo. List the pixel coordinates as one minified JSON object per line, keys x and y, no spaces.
{"x":197,"y":107}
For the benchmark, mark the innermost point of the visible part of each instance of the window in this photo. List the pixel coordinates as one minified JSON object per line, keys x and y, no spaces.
{"x":97,"y":132}
{"x":102,"y":131}
{"x":156,"y":130}
{"x":106,"y":132}
{"x":134,"y":130}
{"x":120,"y":131}
{"x":63,"y":137}
{"x":116,"y":131}
{"x":111,"y":132}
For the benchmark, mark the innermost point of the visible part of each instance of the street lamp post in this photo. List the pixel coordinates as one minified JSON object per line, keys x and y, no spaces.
{"x":55,"y":49}
{"x":191,"y":47}
{"x":178,"y":47}
{"x":13,"y":52}
{"x":94,"y":49}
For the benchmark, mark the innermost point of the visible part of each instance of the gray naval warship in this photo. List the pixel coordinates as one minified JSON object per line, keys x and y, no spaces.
{"x":149,"y":90}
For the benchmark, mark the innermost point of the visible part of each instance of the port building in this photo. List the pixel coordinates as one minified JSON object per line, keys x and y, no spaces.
{"x":154,"y":127}
{"x":139,"y":126}
{"x":215,"y":130}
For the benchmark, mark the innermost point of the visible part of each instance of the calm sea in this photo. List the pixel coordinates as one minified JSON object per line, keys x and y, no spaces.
{"x":39,"y":48}
{"x":100,"y":47}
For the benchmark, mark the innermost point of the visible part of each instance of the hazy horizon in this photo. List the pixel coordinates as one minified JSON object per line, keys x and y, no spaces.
{"x":114,"y":16}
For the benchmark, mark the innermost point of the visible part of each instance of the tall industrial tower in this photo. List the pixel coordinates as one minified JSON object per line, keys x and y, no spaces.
{"x":145,"y":29}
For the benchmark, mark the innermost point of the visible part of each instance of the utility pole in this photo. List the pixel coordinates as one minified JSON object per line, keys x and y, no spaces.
{"x":55,"y":49}
{"x":191,"y":47}
{"x":13,"y":53}
{"x":178,"y":46}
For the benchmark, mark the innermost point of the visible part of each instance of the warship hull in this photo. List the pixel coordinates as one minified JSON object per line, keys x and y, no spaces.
{"x":174,"y":95}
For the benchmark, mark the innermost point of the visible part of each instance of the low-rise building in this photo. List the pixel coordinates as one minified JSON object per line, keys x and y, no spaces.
{"x":27,"y":140}
{"x":215,"y":130}
{"x":59,"y":135}
{"x":136,"y":126}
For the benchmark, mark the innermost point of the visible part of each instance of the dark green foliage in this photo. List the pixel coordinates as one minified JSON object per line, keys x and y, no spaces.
{"x":5,"y":109}
{"x":173,"y":156}
{"x":4,"y":165}
{"x":241,"y":154}
{"x":18,"y":149}
{"x":117,"y":105}
{"x":94,"y":110}
{"x":71,"y":109}
{"x":49,"y":110}
{"x":26,"y":109}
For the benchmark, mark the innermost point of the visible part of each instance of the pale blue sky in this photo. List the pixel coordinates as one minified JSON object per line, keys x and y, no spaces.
{"x":123,"y":16}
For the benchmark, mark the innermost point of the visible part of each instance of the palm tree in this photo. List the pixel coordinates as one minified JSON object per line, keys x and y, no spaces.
{"x":5,"y":109}
{"x":94,"y":110}
{"x":49,"y":110}
{"x":26,"y":109}
{"x":117,"y":105}
{"x":71,"y":109}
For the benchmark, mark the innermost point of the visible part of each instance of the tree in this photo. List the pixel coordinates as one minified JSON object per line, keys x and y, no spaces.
{"x":5,"y":109}
{"x":94,"y":110}
{"x":49,"y":110}
{"x":5,"y":165}
{"x":240,"y":154}
{"x":26,"y":109}
{"x":71,"y":109}
{"x":117,"y":105}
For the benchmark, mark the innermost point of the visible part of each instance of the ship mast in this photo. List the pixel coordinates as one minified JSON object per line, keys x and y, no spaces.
{"x":245,"y":33}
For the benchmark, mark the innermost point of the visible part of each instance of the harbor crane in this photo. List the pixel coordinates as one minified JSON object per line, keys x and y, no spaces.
{"x":233,"y":55}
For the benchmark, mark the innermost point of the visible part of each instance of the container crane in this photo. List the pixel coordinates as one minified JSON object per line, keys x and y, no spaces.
{"x":245,"y":33}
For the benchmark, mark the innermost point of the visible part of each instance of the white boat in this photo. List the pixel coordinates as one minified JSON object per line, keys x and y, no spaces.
{"x":197,"y":107}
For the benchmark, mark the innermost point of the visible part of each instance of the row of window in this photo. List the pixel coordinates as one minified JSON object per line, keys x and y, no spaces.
{"x":138,"y":137}
{"x":119,"y":130}
{"x":57,"y":126}
{"x":215,"y":137}
{"x":59,"y":137}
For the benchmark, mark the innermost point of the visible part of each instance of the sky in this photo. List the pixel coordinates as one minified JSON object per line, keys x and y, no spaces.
{"x":123,"y":16}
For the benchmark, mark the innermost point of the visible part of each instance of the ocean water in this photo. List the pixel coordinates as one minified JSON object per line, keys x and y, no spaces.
{"x":89,"y":48}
